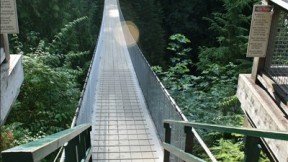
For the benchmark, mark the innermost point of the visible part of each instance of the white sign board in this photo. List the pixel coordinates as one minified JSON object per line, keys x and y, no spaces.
{"x":259,"y":31}
{"x":9,"y":20}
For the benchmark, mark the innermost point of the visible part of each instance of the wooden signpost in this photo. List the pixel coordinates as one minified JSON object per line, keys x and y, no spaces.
{"x":9,"y":20}
{"x":9,"y":25}
{"x":259,"y":31}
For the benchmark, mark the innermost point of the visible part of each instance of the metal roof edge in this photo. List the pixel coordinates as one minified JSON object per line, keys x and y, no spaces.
{"x":282,"y":3}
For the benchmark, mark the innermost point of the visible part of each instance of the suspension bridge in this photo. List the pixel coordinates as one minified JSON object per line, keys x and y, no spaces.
{"x":122,"y":109}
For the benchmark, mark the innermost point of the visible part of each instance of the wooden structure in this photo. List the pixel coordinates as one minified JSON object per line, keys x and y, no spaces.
{"x":12,"y":76}
{"x":10,"y":65}
{"x":264,"y":93}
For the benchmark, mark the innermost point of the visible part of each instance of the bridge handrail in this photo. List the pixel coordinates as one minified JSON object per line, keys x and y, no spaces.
{"x":35,"y":151}
{"x":252,"y":135}
{"x":280,"y":135}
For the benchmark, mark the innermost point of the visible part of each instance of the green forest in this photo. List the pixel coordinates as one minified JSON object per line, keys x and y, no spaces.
{"x":197,"y":48}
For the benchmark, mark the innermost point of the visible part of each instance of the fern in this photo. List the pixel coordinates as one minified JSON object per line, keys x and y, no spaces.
{"x":59,"y":43}
{"x":17,"y":46}
{"x":39,"y":49}
{"x":228,"y":151}
{"x":227,"y":103}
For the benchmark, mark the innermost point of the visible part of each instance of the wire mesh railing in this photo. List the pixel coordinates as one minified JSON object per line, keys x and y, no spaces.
{"x":276,"y":64}
{"x":86,"y":102}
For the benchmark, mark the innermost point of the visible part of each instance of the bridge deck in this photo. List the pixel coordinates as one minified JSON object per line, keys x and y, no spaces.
{"x":122,"y":129}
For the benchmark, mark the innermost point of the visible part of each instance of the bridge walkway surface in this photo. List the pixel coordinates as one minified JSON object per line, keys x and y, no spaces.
{"x":122,"y":129}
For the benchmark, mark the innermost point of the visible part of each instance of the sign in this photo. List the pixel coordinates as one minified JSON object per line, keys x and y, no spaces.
{"x":259,"y":31}
{"x":9,"y":20}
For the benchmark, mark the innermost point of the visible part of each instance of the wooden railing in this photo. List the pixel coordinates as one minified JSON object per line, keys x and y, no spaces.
{"x":251,"y":142}
{"x":76,"y":142}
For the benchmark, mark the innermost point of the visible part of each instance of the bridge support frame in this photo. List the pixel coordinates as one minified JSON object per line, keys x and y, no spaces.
{"x":167,"y":128}
{"x":252,"y":149}
{"x":189,"y":139}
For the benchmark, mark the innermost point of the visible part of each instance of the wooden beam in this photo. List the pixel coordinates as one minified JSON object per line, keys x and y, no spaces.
{"x":275,"y":92}
{"x":258,"y":65}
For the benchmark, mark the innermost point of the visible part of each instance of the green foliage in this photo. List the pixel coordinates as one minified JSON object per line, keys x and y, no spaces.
{"x":180,"y":64}
{"x":231,"y":28}
{"x":177,"y":45}
{"x":48,"y":97}
{"x":187,"y":17}
{"x":203,"y":96}
{"x":208,"y":97}
{"x":46,"y":17}
{"x":60,"y":43}
{"x":228,"y":150}
{"x":50,"y":91}
{"x":210,"y":93}
{"x":54,"y":71}
{"x":14,"y":134}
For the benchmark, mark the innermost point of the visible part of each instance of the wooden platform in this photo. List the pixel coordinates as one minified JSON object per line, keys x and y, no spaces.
{"x":263,"y":113}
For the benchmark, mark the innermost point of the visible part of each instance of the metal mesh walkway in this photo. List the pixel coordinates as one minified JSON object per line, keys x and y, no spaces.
{"x":122,"y":129}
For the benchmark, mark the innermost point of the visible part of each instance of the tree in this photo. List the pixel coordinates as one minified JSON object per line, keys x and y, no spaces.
{"x":231,"y":27}
{"x":186,"y":17}
{"x":54,"y":66}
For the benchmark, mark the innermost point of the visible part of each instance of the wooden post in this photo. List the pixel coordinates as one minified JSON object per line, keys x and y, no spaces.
{"x":2,"y":55}
{"x":258,"y":65}
{"x":88,"y":141}
{"x":71,"y":152}
{"x":189,"y":139}
{"x":82,"y":146}
{"x":246,"y":122}
{"x":252,"y":149}
{"x":167,"y":140}
{"x":6,"y":47}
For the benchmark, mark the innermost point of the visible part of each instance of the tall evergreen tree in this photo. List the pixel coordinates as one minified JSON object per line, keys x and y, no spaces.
{"x":231,"y":29}
{"x":186,"y":17}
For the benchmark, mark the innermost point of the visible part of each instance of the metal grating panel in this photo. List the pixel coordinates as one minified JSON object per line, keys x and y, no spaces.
{"x":277,"y":64}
